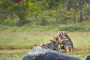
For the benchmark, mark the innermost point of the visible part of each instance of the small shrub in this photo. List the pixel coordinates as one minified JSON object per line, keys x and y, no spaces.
{"x":74,"y":27}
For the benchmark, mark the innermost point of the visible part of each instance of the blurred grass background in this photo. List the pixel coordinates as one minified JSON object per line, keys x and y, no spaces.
{"x":85,"y":26}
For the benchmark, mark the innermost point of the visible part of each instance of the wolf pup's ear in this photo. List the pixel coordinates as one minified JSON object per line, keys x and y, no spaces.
{"x":43,"y":44}
{"x":35,"y":45}
{"x":51,"y":40}
{"x":66,"y":32}
{"x":59,"y":32}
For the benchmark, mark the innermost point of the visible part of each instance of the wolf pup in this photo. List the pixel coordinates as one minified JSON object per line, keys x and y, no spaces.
{"x":52,"y":45}
{"x":66,"y":41}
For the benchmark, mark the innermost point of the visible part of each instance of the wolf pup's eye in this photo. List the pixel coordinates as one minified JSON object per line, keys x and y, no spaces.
{"x":59,"y":35}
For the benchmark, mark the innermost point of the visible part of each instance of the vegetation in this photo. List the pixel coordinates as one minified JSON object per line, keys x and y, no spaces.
{"x":24,"y":23}
{"x":42,"y":12}
{"x":85,"y":26}
{"x":14,"y":45}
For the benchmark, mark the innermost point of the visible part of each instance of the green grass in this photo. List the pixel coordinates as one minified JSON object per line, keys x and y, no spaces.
{"x":27,"y":28}
{"x":14,"y":45}
{"x":85,"y":26}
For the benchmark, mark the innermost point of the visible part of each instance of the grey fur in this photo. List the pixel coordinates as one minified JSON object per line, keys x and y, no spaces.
{"x":52,"y":45}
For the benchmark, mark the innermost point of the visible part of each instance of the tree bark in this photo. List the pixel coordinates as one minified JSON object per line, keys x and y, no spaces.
{"x":75,"y":8}
{"x":54,"y":6}
{"x":80,"y":11}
